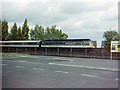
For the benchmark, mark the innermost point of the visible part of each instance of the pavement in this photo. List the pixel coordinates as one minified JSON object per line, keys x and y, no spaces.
{"x":34,"y":71}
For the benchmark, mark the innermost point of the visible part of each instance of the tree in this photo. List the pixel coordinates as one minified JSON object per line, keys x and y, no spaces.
{"x":0,"y":30}
{"x":32,"y":34}
{"x":37,"y":33}
{"x":110,"y":35}
{"x":54,"y":33}
{"x":19,"y":33}
{"x":5,"y":33}
{"x":41,"y":33}
{"x":25,"y":31}
{"x":13,"y":34}
{"x":48,"y":34}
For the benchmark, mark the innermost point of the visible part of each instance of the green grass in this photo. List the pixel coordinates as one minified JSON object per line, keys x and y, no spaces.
{"x":12,"y":54}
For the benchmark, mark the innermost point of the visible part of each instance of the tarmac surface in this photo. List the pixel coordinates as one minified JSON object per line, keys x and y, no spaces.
{"x":34,"y":71}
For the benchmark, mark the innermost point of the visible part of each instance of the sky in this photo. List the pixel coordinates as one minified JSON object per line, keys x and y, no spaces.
{"x":87,"y":19}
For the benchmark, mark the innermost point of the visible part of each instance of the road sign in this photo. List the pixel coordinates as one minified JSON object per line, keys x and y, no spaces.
{"x":115,"y":46}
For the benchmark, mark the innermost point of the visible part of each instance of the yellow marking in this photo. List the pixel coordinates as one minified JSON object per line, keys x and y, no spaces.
{"x":21,"y":61}
{"x":89,"y":67}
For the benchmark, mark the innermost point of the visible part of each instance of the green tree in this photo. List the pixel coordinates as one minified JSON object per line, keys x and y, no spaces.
{"x":5,"y":33}
{"x":25,"y":31}
{"x":41,"y":33}
{"x":50,"y":33}
{"x":32,"y":34}
{"x":37,"y":33}
{"x":54,"y":33}
{"x":0,"y":30}
{"x":19,"y":33}
{"x":110,"y":35}
{"x":13,"y":34}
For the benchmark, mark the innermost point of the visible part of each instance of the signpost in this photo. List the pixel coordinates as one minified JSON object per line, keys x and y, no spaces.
{"x":115,"y":47}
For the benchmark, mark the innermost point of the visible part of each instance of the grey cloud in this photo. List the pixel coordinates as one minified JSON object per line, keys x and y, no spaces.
{"x":91,"y":35}
{"x":34,"y":12}
{"x":78,"y":20}
{"x":110,"y":18}
{"x":81,"y":7}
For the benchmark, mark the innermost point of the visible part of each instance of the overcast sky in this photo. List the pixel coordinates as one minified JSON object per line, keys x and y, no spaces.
{"x":77,"y":18}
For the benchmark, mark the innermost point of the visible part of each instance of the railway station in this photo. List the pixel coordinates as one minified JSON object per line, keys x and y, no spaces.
{"x":84,"y":48}
{"x":71,"y":44}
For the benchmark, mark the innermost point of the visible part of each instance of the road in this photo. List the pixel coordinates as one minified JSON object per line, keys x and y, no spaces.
{"x":58,"y":72}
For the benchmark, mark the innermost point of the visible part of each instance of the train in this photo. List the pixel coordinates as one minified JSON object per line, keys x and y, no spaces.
{"x":20,"y":43}
{"x":67,"y":43}
{"x":94,"y":44}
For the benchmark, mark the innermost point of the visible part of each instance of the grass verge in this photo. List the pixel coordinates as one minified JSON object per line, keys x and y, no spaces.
{"x":12,"y":54}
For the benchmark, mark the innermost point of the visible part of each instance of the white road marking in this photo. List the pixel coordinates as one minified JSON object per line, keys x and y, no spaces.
{"x":38,"y":69}
{"x":88,"y":75}
{"x":116,"y":79}
{"x":66,"y":59}
{"x":10,"y":60}
{"x":61,"y":72}
{"x":23,"y":61}
{"x":20,"y":66}
{"x":88,"y":67}
{"x":34,"y":63}
{"x":4,"y":64}
{"x":23,"y":56}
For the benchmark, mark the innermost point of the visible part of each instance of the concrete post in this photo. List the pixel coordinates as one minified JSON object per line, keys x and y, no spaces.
{"x":85,"y":52}
{"x":58,"y":51}
{"x":46,"y":51}
{"x":35,"y":50}
{"x":70,"y":51}
{"x":110,"y":55}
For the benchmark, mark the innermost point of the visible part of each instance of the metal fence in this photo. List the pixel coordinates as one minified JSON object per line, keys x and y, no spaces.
{"x":98,"y":53}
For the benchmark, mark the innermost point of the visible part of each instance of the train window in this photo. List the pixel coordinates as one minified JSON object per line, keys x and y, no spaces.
{"x":7,"y":43}
{"x":118,"y":46}
{"x":43,"y":43}
{"x":17,"y":43}
{"x":68,"y":43}
{"x":113,"y":47}
{"x":30,"y":43}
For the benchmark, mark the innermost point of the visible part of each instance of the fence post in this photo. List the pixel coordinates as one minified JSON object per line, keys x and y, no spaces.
{"x":110,"y":55}
{"x":46,"y":51}
{"x":16,"y":50}
{"x":25,"y":50}
{"x":58,"y":50}
{"x":70,"y":51}
{"x":35,"y":50}
{"x":85,"y":52}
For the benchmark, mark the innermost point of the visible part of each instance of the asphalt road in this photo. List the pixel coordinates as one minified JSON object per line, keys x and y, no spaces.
{"x":58,"y":72}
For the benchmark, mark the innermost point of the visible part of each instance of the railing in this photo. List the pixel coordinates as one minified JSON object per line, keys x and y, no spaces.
{"x":73,"y":52}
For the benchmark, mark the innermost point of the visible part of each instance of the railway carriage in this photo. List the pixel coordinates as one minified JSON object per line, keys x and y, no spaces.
{"x":19,"y":43}
{"x":67,"y":43}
